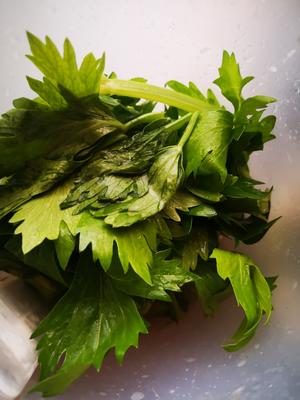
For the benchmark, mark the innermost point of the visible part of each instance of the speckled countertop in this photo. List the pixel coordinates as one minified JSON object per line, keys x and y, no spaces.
{"x":182,"y":40}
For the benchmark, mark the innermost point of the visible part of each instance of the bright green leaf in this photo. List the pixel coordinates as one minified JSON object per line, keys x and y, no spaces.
{"x":230,"y":81}
{"x":64,"y":245}
{"x":134,"y":244}
{"x":41,"y":218}
{"x":193,"y":91}
{"x":203,"y":210}
{"x":62,"y":70}
{"x":251,"y":290}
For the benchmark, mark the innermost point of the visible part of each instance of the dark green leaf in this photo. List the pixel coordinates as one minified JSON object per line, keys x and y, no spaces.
{"x":83,"y":326}
{"x":248,"y":230}
{"x":128,"y":160}
{"x":207,"y":188}
{"x":164,"y":176}
{"x":200,"y":242}
{"x":245,"y":188}
{"x":46,"y":146}
{"x":211,"y":289}
{"x":42,"y":258}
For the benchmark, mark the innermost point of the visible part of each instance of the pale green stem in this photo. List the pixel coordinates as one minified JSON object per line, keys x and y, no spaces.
{"x":189,"y":129}
{"x":157,"y":94}
{"x":178,"y":123}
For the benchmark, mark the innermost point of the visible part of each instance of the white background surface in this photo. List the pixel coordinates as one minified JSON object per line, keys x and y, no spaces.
{"x":183,"y":40}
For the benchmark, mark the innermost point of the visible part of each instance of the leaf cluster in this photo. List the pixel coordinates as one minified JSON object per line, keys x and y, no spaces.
{"x":108,"y":207}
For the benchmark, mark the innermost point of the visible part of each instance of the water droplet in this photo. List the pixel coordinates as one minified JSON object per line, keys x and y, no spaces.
{"x":289,"y":55}
{"x":236,"y":393}
{"x":137,"y":396}
{"x":190,"y":360}
{"x":241,"y":363}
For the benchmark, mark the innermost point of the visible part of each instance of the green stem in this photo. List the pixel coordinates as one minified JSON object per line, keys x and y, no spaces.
{"x":189,"y":129}
{"x":154,"y":93}
{"x":178,"y":123}
{"x":144,"y":119}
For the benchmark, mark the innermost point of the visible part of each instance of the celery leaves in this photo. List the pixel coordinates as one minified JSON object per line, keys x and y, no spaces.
{"x":109,"y":208}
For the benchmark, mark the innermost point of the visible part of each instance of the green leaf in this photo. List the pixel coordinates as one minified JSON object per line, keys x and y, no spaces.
{"x":200,"y":242}
{"x":48,"y":92}
{"x":252,"y":107}
{"x":230,"y":81}
{"x":49,"y":289}
{"x":134,"y":247}
{"x":119,"y":172}
{"x":259,"y":208}
{"x":206,"y":150}
{"x":97,"y":191}
{"x":211,"y":289}
{"x":183,"y":201}
{"x":41,"y":218}
{"x":166,"y":275}
{"x":203,"y":210}
{"x":83,"y":326}
{"x":64,"y":245}
{"x":164,"y":176}
{"x":251,"y":290}
{"x":248,"y":118}
{"x":193,"y":91}
{"x":36,"y":178}
{"x":42,"y":258}
{"x":249,"y":230}
{"x":205,"y":189}
{"x":245,"y":188}
{"x":181,"y":88}
{"x":134,"y":244}
{"x":256,"y":230}
{"x":62,"y":70}
{"x":39,"y":148}
{"x":272,"y":282}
